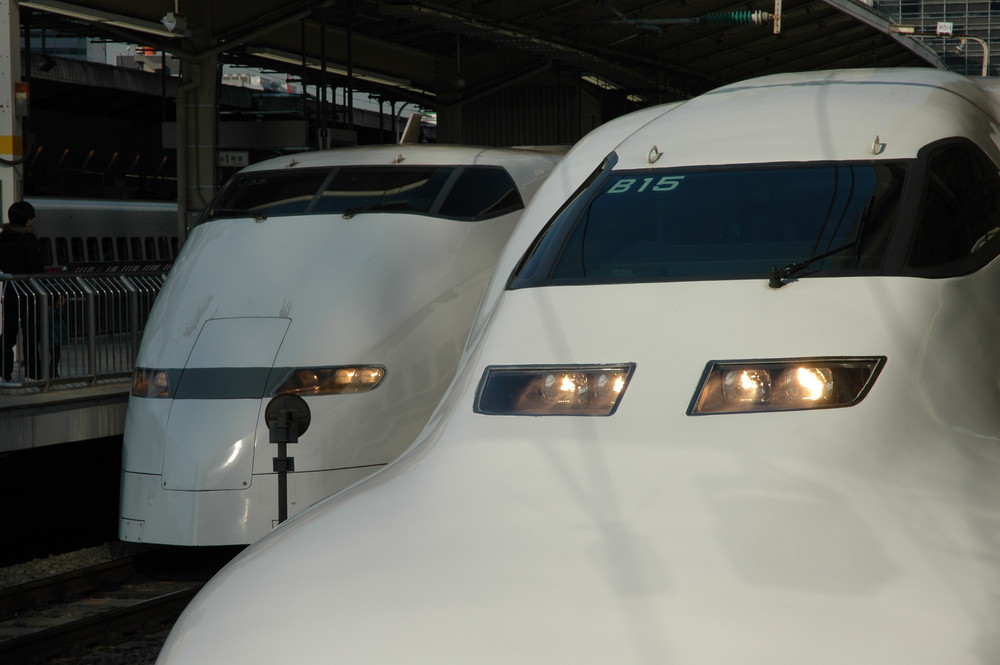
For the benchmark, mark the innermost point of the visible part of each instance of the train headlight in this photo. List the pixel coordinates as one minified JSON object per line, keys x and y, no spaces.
{"x":332,"y":380}
{"x":578,"y":390}
{"x":784,"y":385}
{"x":148,"y":382}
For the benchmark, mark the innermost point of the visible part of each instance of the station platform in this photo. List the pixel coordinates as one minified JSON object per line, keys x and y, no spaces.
{"x":101,"y":310}
{"x":70,"y":414}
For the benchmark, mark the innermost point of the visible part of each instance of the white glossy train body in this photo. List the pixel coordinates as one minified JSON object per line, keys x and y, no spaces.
{"x":349,"y":277}
{"x":659,"y":450}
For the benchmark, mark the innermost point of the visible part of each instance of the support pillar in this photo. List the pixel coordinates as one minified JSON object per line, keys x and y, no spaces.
{"x":11,"y":141}
{"x":449,"y":105}
{"x":449,"y":127}
{"x":197,"y":138}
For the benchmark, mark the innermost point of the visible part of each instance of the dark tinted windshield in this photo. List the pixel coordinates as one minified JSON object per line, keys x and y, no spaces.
{"x":467,"y":193}
{"x":411,"y":189}
{"x":268,"y":193}
{"x":720,"y":223}
{"x":959,"y":212}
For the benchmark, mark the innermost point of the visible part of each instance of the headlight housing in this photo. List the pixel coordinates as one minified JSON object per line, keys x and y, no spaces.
{"x":331,"y":380}
{"x":794,"y":384}
{"x":563,"y":390}
{"x":149,"y":382}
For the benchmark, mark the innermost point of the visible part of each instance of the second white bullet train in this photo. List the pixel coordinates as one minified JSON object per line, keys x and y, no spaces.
{"x":732,"y":400}
{"x":348,"y":277}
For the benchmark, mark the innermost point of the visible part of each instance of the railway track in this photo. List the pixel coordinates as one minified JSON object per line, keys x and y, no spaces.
{"x":60,"y":617}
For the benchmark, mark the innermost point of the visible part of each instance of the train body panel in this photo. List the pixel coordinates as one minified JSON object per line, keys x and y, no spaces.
{"x":253,"y":302}
{"x":101,"y":231}
{"x":652,"y":536}
{"x":904,"y":112}
{"x":782,"y":449}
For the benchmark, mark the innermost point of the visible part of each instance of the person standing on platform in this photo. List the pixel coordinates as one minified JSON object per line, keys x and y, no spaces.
{"x":20,"y":254}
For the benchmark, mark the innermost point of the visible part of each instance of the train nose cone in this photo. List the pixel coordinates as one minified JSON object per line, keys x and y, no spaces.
{"x":213,"y":421}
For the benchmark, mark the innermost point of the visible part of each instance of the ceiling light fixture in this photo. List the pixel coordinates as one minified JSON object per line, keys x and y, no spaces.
{"x":600,"y":82}
{"x":174,"y":22}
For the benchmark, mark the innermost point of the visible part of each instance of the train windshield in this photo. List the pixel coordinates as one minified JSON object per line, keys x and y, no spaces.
{"x":721,"y":223}
{"x":467,"y":193}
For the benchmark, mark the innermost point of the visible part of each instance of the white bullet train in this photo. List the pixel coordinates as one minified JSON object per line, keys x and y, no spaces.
{"x":733,"y":400}
{"x":349,"y":277}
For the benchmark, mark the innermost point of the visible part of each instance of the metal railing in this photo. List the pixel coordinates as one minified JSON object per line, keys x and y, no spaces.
{"x":74,"y":329}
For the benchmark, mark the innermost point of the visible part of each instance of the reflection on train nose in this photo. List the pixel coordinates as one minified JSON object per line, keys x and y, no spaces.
{"x":237,"y":447}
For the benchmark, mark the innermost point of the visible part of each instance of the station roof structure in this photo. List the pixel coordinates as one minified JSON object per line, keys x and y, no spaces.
{"x":438,"y":54}
{"x":496,"y":72}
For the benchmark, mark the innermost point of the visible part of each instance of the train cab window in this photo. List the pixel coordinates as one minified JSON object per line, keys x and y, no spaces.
{"x":62,"y":251}
{"x":268,"y":193}
{"x":107,"y":249}
{"x":121,"y":244}
{"x":481,"y":193}
{"x":721,"y":223}
{"x":959,"y":209}
{"x":136,"y":248}
{"x":384,"y":189}
{"x":76,"y":249}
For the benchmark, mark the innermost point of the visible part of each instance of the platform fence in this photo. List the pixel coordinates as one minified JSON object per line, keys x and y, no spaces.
{"x":74,"y":329}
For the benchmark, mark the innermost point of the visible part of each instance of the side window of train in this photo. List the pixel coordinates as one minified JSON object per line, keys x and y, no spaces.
{"x":481,"y":193}
{"x":46,"y":246}
{"x":960,"y":206}
{"x":62,"y":251}
{"x":121,"y":244}
{"x":107,"y":248}
{"x":150,"y":247}
{"x":92,"y":254}
{"x":136,"y":248}
{"x":76,"y":249}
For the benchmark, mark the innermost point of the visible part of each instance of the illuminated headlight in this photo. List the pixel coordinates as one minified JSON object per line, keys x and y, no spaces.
{"x":579,"y":390}
{"x":332,"y":380}
{"x":148,"y":382}
{"x":784,"y":385}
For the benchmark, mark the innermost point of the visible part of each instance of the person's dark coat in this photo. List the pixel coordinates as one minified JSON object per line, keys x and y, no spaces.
{"x":20,"y":253}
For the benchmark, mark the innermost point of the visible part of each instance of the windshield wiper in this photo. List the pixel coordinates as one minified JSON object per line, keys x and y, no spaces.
{"x":388,"y":205}
{"x":780,"y":276}
{"x":235,"y":212}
